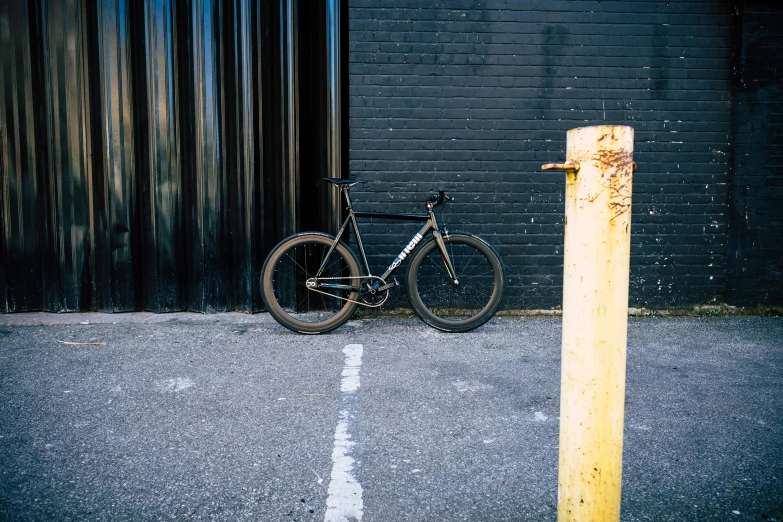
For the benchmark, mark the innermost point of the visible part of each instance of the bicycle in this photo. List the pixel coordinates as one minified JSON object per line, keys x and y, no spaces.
{"x":312,"y":282}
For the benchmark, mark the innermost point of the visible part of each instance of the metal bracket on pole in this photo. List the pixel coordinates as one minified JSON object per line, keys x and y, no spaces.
{"x":561,"y":166}
{"x":568,"y":166}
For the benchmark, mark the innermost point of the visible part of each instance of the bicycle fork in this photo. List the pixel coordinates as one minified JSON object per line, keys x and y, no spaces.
{"x":444,"y":255}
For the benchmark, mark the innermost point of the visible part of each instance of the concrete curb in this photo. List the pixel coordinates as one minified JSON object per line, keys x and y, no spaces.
{"x":73,"y":318}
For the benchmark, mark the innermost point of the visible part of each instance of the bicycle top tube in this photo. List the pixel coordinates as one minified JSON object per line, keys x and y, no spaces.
{"x":393,"y":216}
{"x":345,"y":187}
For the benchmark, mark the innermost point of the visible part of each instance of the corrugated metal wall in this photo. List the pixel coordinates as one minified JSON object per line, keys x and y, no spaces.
{"x":151,"y":151}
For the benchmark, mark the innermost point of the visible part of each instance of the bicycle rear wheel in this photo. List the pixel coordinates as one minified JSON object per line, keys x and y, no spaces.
{"x":303,"y":309}
{"x":455,"y":308}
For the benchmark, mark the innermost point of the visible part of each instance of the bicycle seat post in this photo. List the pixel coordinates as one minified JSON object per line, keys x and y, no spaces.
{"x":345,"y":191}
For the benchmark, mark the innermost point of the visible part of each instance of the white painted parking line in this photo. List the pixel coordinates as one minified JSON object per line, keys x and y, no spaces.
{"x":344,"y":502}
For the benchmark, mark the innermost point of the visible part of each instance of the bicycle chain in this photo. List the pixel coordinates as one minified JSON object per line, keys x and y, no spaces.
{"x":345,"y":298}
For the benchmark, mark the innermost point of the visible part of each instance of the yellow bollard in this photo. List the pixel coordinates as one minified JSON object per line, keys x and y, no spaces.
{"x":599,"y":172}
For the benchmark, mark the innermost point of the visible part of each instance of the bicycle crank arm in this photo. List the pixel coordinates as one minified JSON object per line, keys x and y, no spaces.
{"x":387,"y":286}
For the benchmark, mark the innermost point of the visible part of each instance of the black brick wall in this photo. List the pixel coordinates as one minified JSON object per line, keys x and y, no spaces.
{"x":473,"y":96}
{"x":755,"y":274}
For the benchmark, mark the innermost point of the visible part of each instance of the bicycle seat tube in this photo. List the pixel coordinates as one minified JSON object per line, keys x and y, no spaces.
{"x":352,"y":217}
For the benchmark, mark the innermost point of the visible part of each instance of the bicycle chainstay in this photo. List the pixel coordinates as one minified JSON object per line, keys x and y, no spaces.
{"x":387,"y":287}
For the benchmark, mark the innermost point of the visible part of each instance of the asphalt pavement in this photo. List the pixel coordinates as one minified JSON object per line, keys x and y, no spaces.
{"x":232,"y":417}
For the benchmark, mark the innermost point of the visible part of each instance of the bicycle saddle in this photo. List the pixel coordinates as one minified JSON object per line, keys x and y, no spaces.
{"x":349,"y":182}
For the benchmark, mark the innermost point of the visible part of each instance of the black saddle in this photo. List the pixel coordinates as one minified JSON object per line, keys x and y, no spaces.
{"x":349,"y":182}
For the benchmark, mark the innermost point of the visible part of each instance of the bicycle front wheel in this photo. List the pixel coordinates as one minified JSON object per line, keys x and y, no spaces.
{"x":317,"y":308}
{"x":455,"y":307}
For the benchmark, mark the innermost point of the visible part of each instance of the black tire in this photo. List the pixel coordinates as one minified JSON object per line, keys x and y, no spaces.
{"x":283,"y":283}
{"x":451,"y":308}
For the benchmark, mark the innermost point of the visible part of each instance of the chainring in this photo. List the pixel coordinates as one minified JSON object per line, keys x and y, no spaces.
{"x":369,"y":296}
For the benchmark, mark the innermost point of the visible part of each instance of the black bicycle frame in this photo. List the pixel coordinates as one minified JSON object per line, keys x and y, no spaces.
{"x":430,"y":225}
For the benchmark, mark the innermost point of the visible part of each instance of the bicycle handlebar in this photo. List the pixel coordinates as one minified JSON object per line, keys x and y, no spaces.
{"x":438,"y":199}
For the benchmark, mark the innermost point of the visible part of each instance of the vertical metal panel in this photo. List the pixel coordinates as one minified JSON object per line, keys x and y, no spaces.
{"x":207,"y":235}
{"x":21,"y":193}
{"x":333,"y":125}
{"x":164,"y":259}
{"x":318,"y":106}
{"x":244,"y":151}
{"x":66,"y":269}
{"x":115,"y":232}
{"x":290,"y":108}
